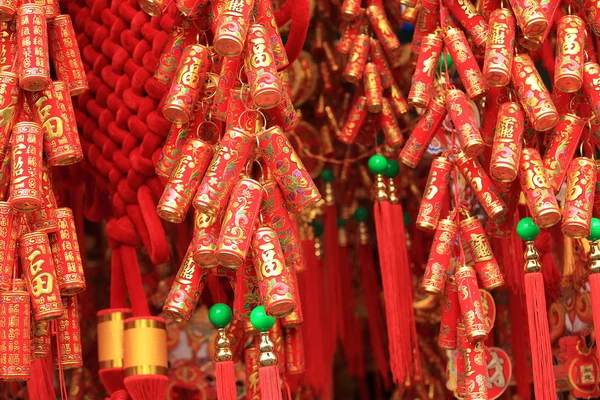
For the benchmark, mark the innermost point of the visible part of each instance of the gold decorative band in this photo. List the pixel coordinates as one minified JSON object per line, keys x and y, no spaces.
{"x":110,"y":364}
{"x":146,"y":370}
{"x":119,"y":315}
{"x":145,"y":323}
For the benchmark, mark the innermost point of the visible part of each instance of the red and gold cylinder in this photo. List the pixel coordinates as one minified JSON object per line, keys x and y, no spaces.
{"x":8,"y":46}
{"x":530,"y":17}
{"x":528,"y":84}
{"x":421,"y":136}
{"x":192,"y":9}
{"x":227,"y":80}
{"x":384,"y":31}
{"x":187,"y":85}
{"x":8,"y":10}
{"x":232,"y":28}
{"x":398,"y":101}
{"x":204,"y":242}
{"x":350,"y":9}
{"x":266,"y":17}
{"x":171,"y":150}
{"x":69,"y":353}
{"x":261,"y":69}
{"x":139,"y":358}
{"x":223,"y":172}
{"x":294,"y":350}
{"x":273,"y":276}
{"x":246,"y":295}
{"x":561,"y":148}
{"x":499,"y":51}
{"x":9,"y":105}
{"x":592,"y":17}
{"x":66,"y":255}
{"x":284,"y":114}
{"x":36,"y":259}
{"x":449,"y":315}
{"x":355,"y":120}
{"x":440,"y":255}
{"x":69,"y":149}
{"x":481,"y":252}
{"x":238,"y":223}
{"x":44,"y":219}
{"x":184,"y":181}
{"x":494,"y":99}
{"x":9,"y":231}
{"x":475,"y":368}
{"x":299,"y":190}
{"x":427,"y":63}
{"x":435,"y":195}
{"x":591,"y":77}
{"x":357,"y":60}
{"x":596,"y":194}
{"x":373,"y":88}
{"x":41,"y":346}
{"x":570,"y":44}
{"x":468,"y":17}
{"x":251,"y":365}
{"x":461,"y":345}
{"x":65,"y":54}
{"x":471,"y":307}
{"x":541,"y":200}
{"x":296,"y":318}
{"x":390,"y":127}
{"x":183,"y":34}
{"x":26,"y":186}
{"x":428,"y":18}
{"x":32,"y":29}
{"x":465,"y":62}
{"x":578,"y":206}
{"x":378,"y":58}
{"x":508,"y":143}
{"x":15,"y":333}
{"x":110,"y":337}
{"x":504,"y":226}
{"x":463,"y":119}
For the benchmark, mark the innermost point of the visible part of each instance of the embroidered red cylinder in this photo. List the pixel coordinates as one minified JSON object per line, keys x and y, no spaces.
{"x":26,"y":191}
{"x":8,"y":46}
{"x":9,"y":230}
{"x":578,"y":206}
{"x":481,"y":252}
{"x":296,"y":318}
{"x":530,"y":17}
{"x":398,"y":101}
{"x":494,"y":99}
{"x":183,"y":34}
{"x":65,"y":54}
{"x":463,"y":119}
{"x":373,"y":88}
{"x":472,"y":22}
{"x":192,"y":9}
{"x":266,"y":17}
{"x":591,"y":75}
{"x":440,"y":255}
{"x":465,"y":62}
{"x":461,"y":343}
{"x":9,"y":105}
{"x":528,"y":84}
{"x":171,"y":150}
{"x":299,"y":190}
{"x":561,"y":148}
{"x":381,"y":62}
{"x":284,"y":114}
{"x":68,"y":355}
{"x":8,"y":10}
{"x":227,"y":81}
{"x":350,"y":9}
{"x":508,"y":143}
{"x":357,"y":60}
{"x":36,"y":259}
{"x":224,"y":170}
{"x":246,"y":296}
{"x":69,"y":149}
{"x":354,"y":121}
{"x":421,"y":136}
{"x":570,"y":44}
{"x":390,"y":127}
{"x":294,"y":351}
{"x":187,"y":84}
{"x":384,"y":31}
{"x":541,"y":201}
{"x":44,"y":219}
{"x":184,"y":181}
{"x":32,"y":29}
{"x":428,"y":18}
{"x":273,"y":275}
{"x":470,"y":303}
{"x":238,"y":223}
{"x":475,"y":367}
{"x":65,"y":254}
{"x":261,"y":69}
{"x":449,"y":315}
{"x":499,"y":50}
{"x":15,"y":333}
{"x":41,"y":346}
{"x":204,"y":242}
{"x":251,"y":364}
{"x":597,"y":191}
{"x":435,"y":194}
{"x":232,"y":27}
{"x":422,"y":80}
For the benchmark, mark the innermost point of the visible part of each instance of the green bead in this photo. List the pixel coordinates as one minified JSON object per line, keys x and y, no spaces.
{"x":379,"y":139}
{"x":219,"y":315}
{"x":361,"y":214}
{"x":318,"y":227}
{"x":407,"y":218}
{"x":327,"y":175}
{"x":527,"y":230}
{"x":391,"y":169}
{"x":595,"y":230}
{"x":442,"y":64}
{"x":341,"y":222}
{"x":260,"y":320}
{"x":377,"y":164}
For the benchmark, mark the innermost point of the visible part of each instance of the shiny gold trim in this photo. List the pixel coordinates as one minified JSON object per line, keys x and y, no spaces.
{"x":110,"y":364}
{"x":145,"y":323}
{"x":119,"y":315}
{"x":146,"y":370}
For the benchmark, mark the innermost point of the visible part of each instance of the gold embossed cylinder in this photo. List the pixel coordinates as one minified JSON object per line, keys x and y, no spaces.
{"x":32,"y":40}
{"x":44,"y":219}
{"x":579,"y":200}
{"x":508,"y":143}
{"x":357,"y":59}
{"x":533,"y":94}
{"x":390,"y":127}
{"x":69,"y":353}
{"x":266,"y":17}
{"x":465,"y":62}
{"x":440,"y":255}
{"x":541,"y":200}
{"x":183,"y":33}
{"x":8,"y":10}
{"x":384,"y":31}
{"x":65,"y":54}
{"x":495,"y":97}
{"x":9,"y":105}
{"x":398,"y":101}
{"x":591,"y":77}
{"x":65,"y":254}
{"x":354,"y":121}
{"x":481,"y":252}
{"x":184,"y":181}
{"x":350,"y":9}
{"x":294,"y":350}
{"x":471,"y":306}
{"x":9,"y":230}
{"x":204,"y":241}
{"x":435,"y":194}
{"x":70,"y":148}
{"x":26,"y":188}
{"x":499,"y":50}
{"x":153,"y":8}
{"x":110,"y":337}
{"x":373,"y":88}
{"x":475,"y":368}
{"x":261,"y":69}
{"x":15,"y":333}
{"x":468,"y":17}
{"x":381,"y":62}
{"x":530,"y":17}
{"x":238,"y":223}
{"x":463,"y":119}
{"x":232,"y":27}
{"x":144,"y":347}
{"x":450,"y":313}
{"x":422,"y":80}
{"x":41,"y":346}
{"x":570,"y":44}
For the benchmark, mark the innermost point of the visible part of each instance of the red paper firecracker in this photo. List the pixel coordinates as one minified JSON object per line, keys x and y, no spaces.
{"x":296,"y":318}
{"x":294,"y":351}
{"x":421,"y":136}
{"x":36,"y":258}
{"x":8,"y":10}
{"x":390,"y":127}
{"x":9,"y":230}
{"x":34,"y":71}
{"x":591,"y":77}
{"x":41,"y":346}
{"x":8,"y":45}
{"x":246,"y":294}
{"x":65,"y":54}
{"x":473,"y":23}
{"x":357,"y":60}
{"x":26,"y":191}
{"x":378,"y":58}
{"x":561,"y":148}
{"x":350,"y":9}
{"x":284,"y":114}
{"x":240,"y":114}
{"x":299,"y":190}
{"x":528,"y":84}
{"x":186,"y":289}
{"x":51,"y":8}
{"x":435,"y":194}
{"x":422,"y":80}
{"x":471,"y":307}
{"x":266,"y":17}
{"x":384,"y":32}
{"x":480,"y":249}
{"x":224,"y":170}
{"x":499,"y":50}
{"x":434,"y":278}
{"x":9,"y":104}
{"x":273,"y":275}
{"x":428,"y":18}
{"x":68,"y":355}
{"x":465,"y":62}
{"x":475,"y":367}
{"x":570,"y":45}
{"x":494,"y":99}
{"x":227,"y":80}
{"x":541,"y":201}
{"x":508,"y":143}
{"x":15,"y":333}
{"x":261,"y":69}
{"x":355,"y":120}
{"x":238,"y":223}
{"x":184,"y":181}
{"x":482,"y":185}
{"x":183,"y":34}
{"x":373,"y":88}
{"x":463,"y":119}
{"x":204,"y":242}
{"x":65,"y":254}
{"x":192,"y":9}
{"x":232,"y":27}
{"x":530,"y":17}
{"x":578,"y":205}
{"x":187,"y":85}
{"x":461,"y":340}
{"x":398,"y":101}
{"x":251,"y":364}
{"x":597,"y":192}
{"x":69,"y":143}
{"x":171,"y":151}
{"x":450,"y":315}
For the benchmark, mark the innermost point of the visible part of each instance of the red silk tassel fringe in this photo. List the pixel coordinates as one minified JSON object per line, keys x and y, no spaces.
{"x":594,"y":280}
{"x":539,"y":337}
{"x":225,"y":380}
{"x":120,"y":395}
{"x":333,"y":268}
{"x":40,"y":386}
{"x":268,"y":380}
{"x":520,"y":347}
{"x":147,"y":387}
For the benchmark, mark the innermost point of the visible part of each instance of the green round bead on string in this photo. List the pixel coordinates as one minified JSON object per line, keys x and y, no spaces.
{"x":341,"y":222}
{"x":260,"y":320}
{"x":361,"y":214}
{"x":318,"y":227}
{"x":407,"y":218}
{"x":392,"y":169}
{"x":377,"y":164}
{"x":219,"y":315}
{"x":442,"y":65}
{"x":527,"y":229}
{"x":594,"y":230}
{"x":327,"y":175}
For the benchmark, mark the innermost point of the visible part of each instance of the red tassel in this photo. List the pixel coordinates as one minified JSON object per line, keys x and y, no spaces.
{"x":40,"y":386}
{"x":332,"y":264}
{"x":539,"y":337}
{"x":552,"y":277}
{"x":268,"y":379}
{"x":225,"y":374}
{"x":120,"y":395}
{"x":519,"y":345}
{"x":594,"y":280}
{"x":147,"y":387}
